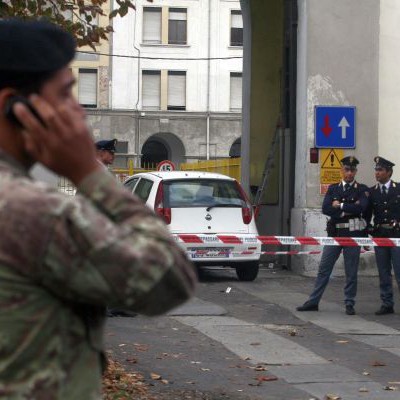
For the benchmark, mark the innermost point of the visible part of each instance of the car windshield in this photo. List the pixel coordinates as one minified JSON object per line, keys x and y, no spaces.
{"x":202,"y":193}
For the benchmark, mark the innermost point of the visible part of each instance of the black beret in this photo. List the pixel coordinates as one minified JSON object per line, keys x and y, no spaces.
{"x":108,"y":145}
{"x":382,"y":162}
{"x":34,"y":46}
{"x":350,"y":161}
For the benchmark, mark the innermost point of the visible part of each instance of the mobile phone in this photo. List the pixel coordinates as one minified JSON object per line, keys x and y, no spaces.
{"x":9,"y":113}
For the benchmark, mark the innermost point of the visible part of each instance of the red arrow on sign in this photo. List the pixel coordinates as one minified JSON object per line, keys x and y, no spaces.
{"x":326,"y":129}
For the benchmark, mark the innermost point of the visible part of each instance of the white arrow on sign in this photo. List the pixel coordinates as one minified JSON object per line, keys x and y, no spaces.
{"x":344,"y":125}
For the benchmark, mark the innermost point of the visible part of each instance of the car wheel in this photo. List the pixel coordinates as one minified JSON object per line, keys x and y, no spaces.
{"x":247,"y":271}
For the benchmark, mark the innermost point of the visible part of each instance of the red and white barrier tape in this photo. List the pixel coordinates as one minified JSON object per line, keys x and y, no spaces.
{"x":289,"y":240}
{"x":295,"y":253}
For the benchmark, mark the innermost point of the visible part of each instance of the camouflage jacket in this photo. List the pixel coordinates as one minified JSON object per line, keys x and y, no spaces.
{"x":62,"y":260}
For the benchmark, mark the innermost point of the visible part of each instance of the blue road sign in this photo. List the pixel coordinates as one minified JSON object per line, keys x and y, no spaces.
{"x":335,"y":127}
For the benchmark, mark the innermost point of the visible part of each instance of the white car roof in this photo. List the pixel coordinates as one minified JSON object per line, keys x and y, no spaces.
{"x":171,"y":175}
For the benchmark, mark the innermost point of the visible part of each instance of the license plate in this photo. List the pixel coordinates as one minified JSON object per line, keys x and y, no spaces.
{"x":210,"y":252}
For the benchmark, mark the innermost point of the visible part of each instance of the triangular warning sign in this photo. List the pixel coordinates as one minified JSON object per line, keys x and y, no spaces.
{"x":331,"y":161}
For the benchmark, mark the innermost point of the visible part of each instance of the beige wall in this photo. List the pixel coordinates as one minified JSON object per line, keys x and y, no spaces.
{"x":102,"y":64}
{"x":389,"y":83}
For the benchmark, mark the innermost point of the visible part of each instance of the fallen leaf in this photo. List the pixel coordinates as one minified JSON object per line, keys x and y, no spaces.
{"x":260,"y":368}
{"x":378,"y":364}
{"x":293,"y":332}
{"x":365,"y":373}
{"x":155,"y":377}
{"x":228,"y":289}
{"x":164,"y":381}
{"x":342,"y":341}
{"x":363,"y":390}
{"x":140,"y":347}
{"x":195,"y":362}
{"x":122,"y":345}
{"x":128,"y":385}
{"x":205,"y":369}
{"x":266,"y":378}
{"x":389,"y":388}
{"x":331,"y":396}
{"x":131,"y":360}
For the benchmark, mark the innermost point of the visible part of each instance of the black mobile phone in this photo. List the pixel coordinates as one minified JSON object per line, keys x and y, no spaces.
{"x":9,"y":113}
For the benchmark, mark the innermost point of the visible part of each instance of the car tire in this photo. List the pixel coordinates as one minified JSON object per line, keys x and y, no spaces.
{"x":247,"y":271}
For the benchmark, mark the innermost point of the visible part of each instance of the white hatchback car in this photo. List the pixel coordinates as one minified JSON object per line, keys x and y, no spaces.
{"x":209,"y":215}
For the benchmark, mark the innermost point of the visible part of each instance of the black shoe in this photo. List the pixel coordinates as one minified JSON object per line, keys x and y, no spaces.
{"x":385,"y":310}
{"x":307,"y":307}
{"x":350,"y":310}
{"x":115,"y":312}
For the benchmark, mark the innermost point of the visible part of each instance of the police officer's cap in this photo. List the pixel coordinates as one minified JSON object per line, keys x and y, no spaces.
{"x":108,"y":145}
{"x":382,"y":162}
{"x":350,"y":161}
{"x":34,"y":46}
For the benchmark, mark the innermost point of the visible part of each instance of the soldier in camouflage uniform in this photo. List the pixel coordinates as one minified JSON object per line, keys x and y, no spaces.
{"x":63,"y":259}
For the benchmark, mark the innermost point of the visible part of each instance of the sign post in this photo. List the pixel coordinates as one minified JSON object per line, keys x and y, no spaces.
{"x":335,"y":127}
{"x":330,"y":168}
{"x":166,"y":165}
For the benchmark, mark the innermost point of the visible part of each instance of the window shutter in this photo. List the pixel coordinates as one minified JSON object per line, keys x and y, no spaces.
{"x":177,"y":15}
{"x":152,"y":25}
{"x":177,"y":26}
{"x":176,"y":90}
{"x":236,"y":20}
{"x":151,"y":88}
{"x":236,"y":92}
{"x":87,"y":87}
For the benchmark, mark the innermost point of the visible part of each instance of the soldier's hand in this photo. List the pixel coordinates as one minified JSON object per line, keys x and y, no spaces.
{"x":64,"y":144}
{"x":336,"y":204}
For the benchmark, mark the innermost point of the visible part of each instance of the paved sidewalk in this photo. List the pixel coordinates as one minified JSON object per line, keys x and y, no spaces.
{"x":233,"y":333}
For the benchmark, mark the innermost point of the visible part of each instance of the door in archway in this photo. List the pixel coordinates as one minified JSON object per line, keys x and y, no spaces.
{"x":153,"y":152}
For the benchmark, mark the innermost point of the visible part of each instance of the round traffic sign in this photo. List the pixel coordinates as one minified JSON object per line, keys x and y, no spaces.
{"x":166,"y":165}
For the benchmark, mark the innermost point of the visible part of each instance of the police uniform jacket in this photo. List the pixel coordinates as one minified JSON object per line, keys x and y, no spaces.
{"x":355,"y":205}
{"x":386,"y":210}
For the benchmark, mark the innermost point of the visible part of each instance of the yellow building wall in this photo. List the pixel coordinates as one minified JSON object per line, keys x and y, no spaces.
{"x":267,"y":57}
{"x":102,"y":64}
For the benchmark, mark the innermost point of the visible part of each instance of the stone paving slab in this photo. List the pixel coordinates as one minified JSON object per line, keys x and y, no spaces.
{"x":331,"y":315}
{"x":252,"y":343}
{"x":315,"y":373}
{"x":350,"y":391}
{"x":381,"y":341}
{"x":197,"y":306}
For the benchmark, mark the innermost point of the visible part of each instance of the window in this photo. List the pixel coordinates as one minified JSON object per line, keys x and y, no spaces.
{"x":152,"y":25}
{"x":131,"y":184}
{"x":143,"y":188}
{"x":236,"y":28}
{"x":87,"y":87}
{"x":151,"y":88}
{"x":236,"y":92}
{"x":177,"y":26}
{"x":176,"y":90}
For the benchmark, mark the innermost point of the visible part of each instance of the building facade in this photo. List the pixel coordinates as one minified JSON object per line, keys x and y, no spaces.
{"x":174,"y":82}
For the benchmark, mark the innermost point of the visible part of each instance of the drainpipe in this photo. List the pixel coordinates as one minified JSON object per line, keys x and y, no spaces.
{"x":138,"y":113}
{"x":208,"y":81}
{"x":110,"y":61}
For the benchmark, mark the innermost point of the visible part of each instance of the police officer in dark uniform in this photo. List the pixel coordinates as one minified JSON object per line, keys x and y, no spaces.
{"x":345,"y":203}
{"x":106,"y":151}
{"x":385,"y":206}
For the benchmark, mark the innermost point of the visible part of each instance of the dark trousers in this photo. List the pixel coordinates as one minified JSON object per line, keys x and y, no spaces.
{"x":386,"y":259}
{"x":330,"y":254}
